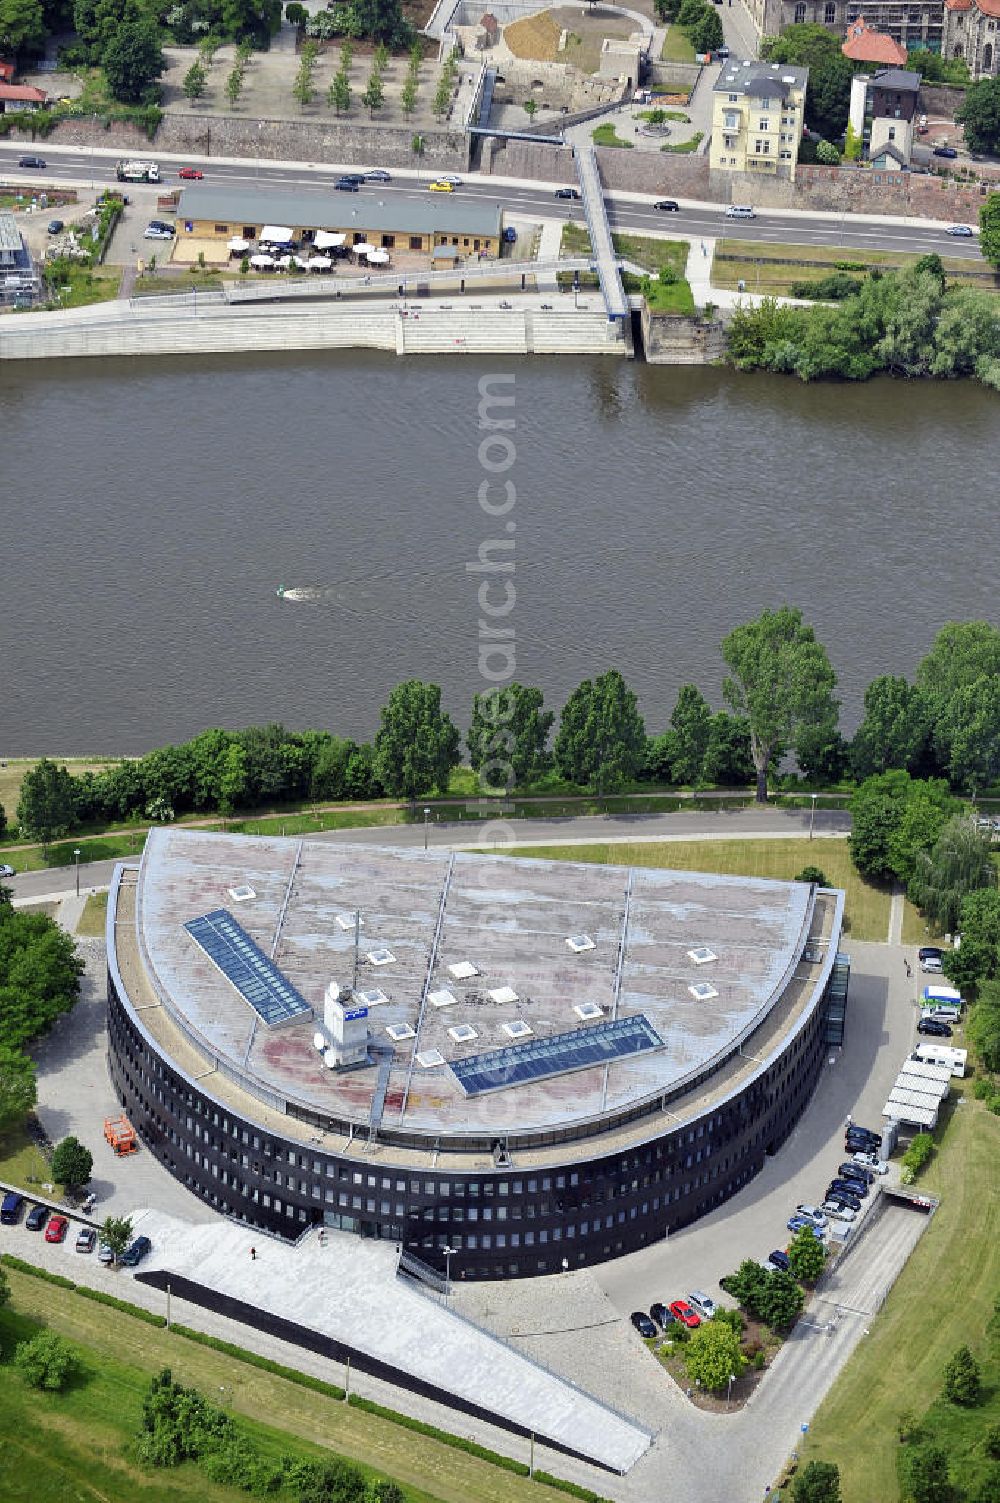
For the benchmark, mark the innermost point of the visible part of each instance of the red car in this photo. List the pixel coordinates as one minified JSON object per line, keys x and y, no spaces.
{"x":56,"y":1229}
{"x":682,"y":1311}
{"x":191,"y":173}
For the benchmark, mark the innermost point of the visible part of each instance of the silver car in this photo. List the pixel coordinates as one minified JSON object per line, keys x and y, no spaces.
{"x":837,"y":1212}
{"x":703,"y":1304}
{"x":6,"y":871}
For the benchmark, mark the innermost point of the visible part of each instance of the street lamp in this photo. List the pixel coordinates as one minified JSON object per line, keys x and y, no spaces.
{"x":76,"y":854}
{"x":448,"y":1251}
{"x":732,"y":1380}
{"x":812,"y":815}
{"x":427,"y":815}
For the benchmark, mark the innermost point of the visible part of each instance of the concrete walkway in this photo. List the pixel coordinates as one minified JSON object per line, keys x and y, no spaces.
{"x":896,"y":917}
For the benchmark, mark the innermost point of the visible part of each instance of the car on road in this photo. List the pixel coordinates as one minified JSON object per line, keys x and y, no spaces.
{"x":966,"y":231}
{"x":440,"y":186}
{"x":660,"y":1313}
{"x":811,"y":1213}
{"x":54,"y":227}
{"x":450,"y":179}
{"x":702,"y":1304}
{"x":191,"y":174}
{"x":796,"y":1224}
{"x":935,"y":1028}
{"x":682,"y":1311}
{"x":36,"y":1218}
{"x":838,"y":1212}
{"x":778,"y":1261}
{"x":6,"y":871}
{"x":347,"y":185}
{"x":31,"y":162}
{"x":723,"y":51}
{"x":643,"y":1324}
{"x":377,"y":175}
{"x":667,"y":205}
{"x":945,"y":151}
{"x":851,"y":1170}
{"x":136,"y":1251}
{"x":57,"y":1229}
{"x":85,"y":1239}
{"x":11,"y":1207}
{"x":157,"y":230}
{"x":104,"y":1254}
{"x":567,"y":193}
{"x":930,"y":958}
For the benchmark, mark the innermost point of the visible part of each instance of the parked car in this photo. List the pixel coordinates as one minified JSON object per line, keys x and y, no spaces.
{"x":682,"y":1311}
{"x":136,"y":1251}
{"x":6,"y":871}
{"x":377,"y":175}
{"x":778,"y":1261}
{"x":945,"y":151}
{"x":796,"y":1223}
{"x":702,"y":1304}
{"x":667,"y":205}
{"x":856,"y":1130}
{"x":811,"y":1213}
{"x":36,"y":1218}
{"x":510,"y":235}
{"x":660,"y":1313}
{"x":11,"y":1208}
{"x":930,"y":957}
{"x":839,"y":1212}
{"x":31,"y":162}
{"x":440,"y":186}
{"x":85,"y":1239}
{"x":851,"y":1170}
{"x":191,"y":174}
{"x":57,"y":1229}
{"x":104,"y":1254}
{"x":567,"y":193}
{"x":643,"y":1324}
{"x":55,"y":227}
{"x":157,"y":231}
{"x":966,"y":231}
{"x":935,"y":1028}
{"x":847,"y":1196}
{"x":723,"y":51}
{"x":855,"y":1186}
{"x":872,"y":1162}
{"x":862,"y":1138}
{"x":347,"y":185}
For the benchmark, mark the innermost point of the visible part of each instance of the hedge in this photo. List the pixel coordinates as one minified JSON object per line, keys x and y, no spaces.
{"x":9,"y":1260}
{"x":240,"y":1354}
{"x":97,"y":1295}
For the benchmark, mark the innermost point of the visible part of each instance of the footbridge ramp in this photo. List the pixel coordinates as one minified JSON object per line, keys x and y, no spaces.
{"x":603,"y":250}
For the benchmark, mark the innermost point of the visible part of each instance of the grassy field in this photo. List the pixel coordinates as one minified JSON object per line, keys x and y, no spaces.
{"x":898,"y":1368}
{"x":606,"y":135}
{"x":94,"y":915}
{"x":12,"y":772}
{"x":79,"y":287}
{"x":774,"y":275}
{"x":88,"y":1424}
{"x":867,"y":907}
{"x":648,"y":252}
{"x":21,"y":1161}
{"x":676,"y":47}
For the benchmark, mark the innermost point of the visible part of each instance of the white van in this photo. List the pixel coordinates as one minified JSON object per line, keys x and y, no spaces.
{"x":942,"y":1012}
{"x":740,"y":211}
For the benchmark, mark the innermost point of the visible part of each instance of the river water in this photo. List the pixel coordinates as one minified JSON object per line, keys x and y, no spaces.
{"x":151,"y":508}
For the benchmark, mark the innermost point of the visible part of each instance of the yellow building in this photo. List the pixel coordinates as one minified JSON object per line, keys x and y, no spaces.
{"x":758,"y":113}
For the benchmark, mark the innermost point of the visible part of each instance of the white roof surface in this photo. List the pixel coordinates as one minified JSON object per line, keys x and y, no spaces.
{"x":348,"y":1290}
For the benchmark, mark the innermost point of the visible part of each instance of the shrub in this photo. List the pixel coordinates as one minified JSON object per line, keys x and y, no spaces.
{"x":831,"y":289}
{"x":983,"y":1090}
{"x":813,"y":874}
{"x":962,"y":1379}
{"x":46,"y":1361}
{"x":907,"y":1426}
{"x":759,"y":1360}
{"x":991,"y":1442}
{"x":920,"y":1151}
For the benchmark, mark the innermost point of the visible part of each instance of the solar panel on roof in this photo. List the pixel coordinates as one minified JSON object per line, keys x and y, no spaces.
{"x":254,"y":975}
{"x":519,"y":1064}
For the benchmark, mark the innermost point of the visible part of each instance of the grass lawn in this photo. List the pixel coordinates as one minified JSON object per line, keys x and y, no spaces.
{"x":94,"y":915}
{"x":85,"y":1427}
{"x":899,"y":1366}
{"x":162,"y":285}
{"x":674,"y":297}
{"x":13,"y":770}
{"x":80,"y":287}
{"x":867,"y":907}
{"x":772,"y":268}
{"x":676,"y":47}
{"x":666,"y":114}
{"x":916,"y":929}
{"x":683,"y":147}
{"x":21,"y":1161}
{"x":606,"y":135}
{"x":653,"y":253}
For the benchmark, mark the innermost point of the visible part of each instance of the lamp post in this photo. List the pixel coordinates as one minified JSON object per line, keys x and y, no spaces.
{"x":812,"y":815}
{"x":427,"y":815}
{"x":729,"y":1390}
{"x":448,"y":1251}
{"x":76,"y":856}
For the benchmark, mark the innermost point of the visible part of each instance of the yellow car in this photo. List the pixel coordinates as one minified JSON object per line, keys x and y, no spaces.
{"x":442,"y":187}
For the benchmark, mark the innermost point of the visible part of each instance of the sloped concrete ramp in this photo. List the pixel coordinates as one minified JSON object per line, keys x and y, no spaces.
{"x":343,"y":1298}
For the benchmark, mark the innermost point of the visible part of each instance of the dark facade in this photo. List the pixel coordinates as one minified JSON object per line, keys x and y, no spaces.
{"x":509,"y":1222}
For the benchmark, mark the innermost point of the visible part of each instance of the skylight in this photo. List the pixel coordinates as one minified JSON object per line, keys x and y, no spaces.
{"x":242,"y":893}
{"x":702,"y":991}
{"x":702,"y":955}
{"x":348,"y":921}
{"x":580,"y":942}
{"x":442,"y":998}
{"x":464,"y":970}
{"x":400,"y":1031}
{"x":381,"y":956}
{"x":428,"y":1058}
{"x":463,"y":1034}
{"x":518,"y":1029}
{"x":504,"y":995}
{"x":374,"y":997}
{"x":587,"y":1011}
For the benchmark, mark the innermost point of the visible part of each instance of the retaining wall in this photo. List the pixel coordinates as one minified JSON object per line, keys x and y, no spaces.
{"x":674,"y":339}
{"x":637,"y":171}
{"x":853,"y":190}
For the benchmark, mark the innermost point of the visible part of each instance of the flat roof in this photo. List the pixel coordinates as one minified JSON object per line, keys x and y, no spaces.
{"x":10,"y":235}
{"x":437,"y":913}
{"x":758,"y":78}
{"x":431,"y":214}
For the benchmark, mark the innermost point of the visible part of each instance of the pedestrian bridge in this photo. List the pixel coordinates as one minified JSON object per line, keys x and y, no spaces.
{"x":602,"y":248}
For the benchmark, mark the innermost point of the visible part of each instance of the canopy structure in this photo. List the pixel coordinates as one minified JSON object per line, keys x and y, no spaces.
{"x":262,"y":261}
{"x":277,"y":234}
{"x":328,"y":240}
{"x":238,"y":246}
{"x":319,"y":263}
{"x":378,"y":257}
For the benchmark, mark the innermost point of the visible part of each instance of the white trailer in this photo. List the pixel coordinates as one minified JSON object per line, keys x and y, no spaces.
{"x":137,"y":172}
{"x":942,"y":1054}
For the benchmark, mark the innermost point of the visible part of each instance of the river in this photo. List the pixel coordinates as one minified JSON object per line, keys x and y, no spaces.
{"x":151,"y":508}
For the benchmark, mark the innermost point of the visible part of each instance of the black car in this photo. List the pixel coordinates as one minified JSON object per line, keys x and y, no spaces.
{"x":779,"y":1259}
{"x":136,"y":1251}
{"x":935,"y":1028}
{"x":11,"y":1207}
{"x":854,"y":1131}
{"x":930,"y":952}
{"x":54,"y":226}
{"x":846,"y":1194}
{"x":856,"y":1171}
{"x":643,"y":1324}
{"x":30,"y":162}
{"x":667,"y":205}
{"x":660,"y":1314}
{"x":36,"y":1218}
{"x":567,"y":193}
{"x":945,"y":151}
{"x":854,"y":1186}
{"x":377,"y":175}
{"x":347,"y":185}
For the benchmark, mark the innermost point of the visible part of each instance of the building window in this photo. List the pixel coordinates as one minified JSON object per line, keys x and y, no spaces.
{"x":222,"y":229}
{"x":735,"y":98}
{"x":829,"y":15}
{"x":800,"y":14}
{"x":416,"y":242}
{"x":765,"y":124}
{"x":388,"y":241}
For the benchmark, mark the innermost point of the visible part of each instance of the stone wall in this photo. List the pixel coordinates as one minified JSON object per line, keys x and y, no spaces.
{"x":852,"y":190}
{"x":635,"y":171}
{"x":674,"y":339}
{"x":939,"y":99}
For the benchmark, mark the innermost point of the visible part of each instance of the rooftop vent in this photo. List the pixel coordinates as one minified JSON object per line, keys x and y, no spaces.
{"x":428,"y":1058}
{"x":319,"y":1041}
{"x":400,"y":1031}
{"x":463,"y":1034}
{"x":518,"y":1029}
{"x":381,"y":956}
{"x":702,"y":955}
{"x":374,"y":997}
{"x":504,"y":995}
{"x":442,"y":998}
{"x":588,"y":1011}
{"x":348,"y":920}
{"x":702,"y":991}
{"x":464,"y":970}
{"x":580,"y":942}
{"x":242,"y":893}
{"x":788,"y":78}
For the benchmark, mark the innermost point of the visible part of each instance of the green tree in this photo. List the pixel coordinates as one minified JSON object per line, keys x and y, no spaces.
{"x":989,"y":229}
{"x":116,"y":1233}
{"x":296,"y":14}
{"x":380,"y":20}
{"x":812,"y":874}
{"x":691,"y":723}
{"x":982,"y":1029}
{"x":346,"y":55}
{"x":17,"y":1086}
{"x":72,"y":1164}
{"x":925,"y":1474}
{"x":894,"y":730}
{"x":963,"y":652}
{"x":509,"y":736}
{"x":303,"y":89}
{"x":339,"y":93}
{"x":979,"y":112}
{"x":959,"y":863}
{"x":134,"y":61}
{"x":853,"y":144}
{"x":978,"y":959}
{"x":706,"y":33}
{"x":963,"y":1380}
{"x":747,"y":1285}
{"x":442,"y":96}
{"x":818,"y":1482}
{"x":46,"y":808}
{"x":828,"y":91}
{"x":417,"y":744}
{"x":806,"y":1256}
{"x":970,"y":728}
{"x":780,"y":678}
{"x":374,"y":95}
{"x":827,"y":154}
{"x":22,"y":26}
{"x":893,"y":818}
{"x":780,"y":1301}
{"x":713,"y":1355}
{"x":39,"y":974}
{"x":602,"y":739}
{"x":195,"y":81}
{"x":46,"y":1361}
{"x":530,"y":108}
{"x":408,"y":94}
{"x":728,"y":758}
{"x":234,"y":85}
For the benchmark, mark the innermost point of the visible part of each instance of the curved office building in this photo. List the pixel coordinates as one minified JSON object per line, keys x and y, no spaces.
{"x":513,"y":1065}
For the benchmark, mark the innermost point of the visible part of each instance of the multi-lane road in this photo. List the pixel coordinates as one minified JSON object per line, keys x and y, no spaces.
{"x":76,"y":165}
